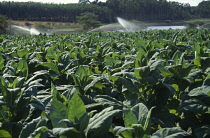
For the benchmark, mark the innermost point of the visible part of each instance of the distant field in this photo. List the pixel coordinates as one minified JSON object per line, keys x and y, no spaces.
{"x":55,"y":27}
{"x":66,"y":27}
{"x":55,"y":24}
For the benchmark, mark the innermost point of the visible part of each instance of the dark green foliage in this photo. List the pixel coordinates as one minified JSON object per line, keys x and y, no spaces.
{"x":89,"y":20}
{"x":115,"y":84}
{"x":3,"y":25}
{"x":142,"y":10}
{"x":169,"y":132}
{"x":34,"y":11}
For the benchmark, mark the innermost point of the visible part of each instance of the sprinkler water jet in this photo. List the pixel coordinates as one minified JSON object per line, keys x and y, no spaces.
{"x":31,"y":31}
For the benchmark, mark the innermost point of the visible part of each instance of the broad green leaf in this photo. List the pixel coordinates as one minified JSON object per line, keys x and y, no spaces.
{"x":55,"y":92}
{"x":140,"y":43}
{"x":193,"y":105}
{"x":5,"y":134}
{"x":68,"y":122}
{"x":81,"y":78}
{"x":109,"y":61}
{"x":18,"y":82}
{"x":169,"y":88}
{"x":200,"y":91}
{"x":162,"y":93}
{"x":162,"y":34}
{"x":164,"y":119}
{"x":40,"y":132}
{"x":197,"y":48}
{"x":68,"y":132}
{"x":22,"y":68}
{"x":205,"y":63}
{"x":84,"y":121}
{"x":147,"y":124}
{"x":197,"y":61}
{"x":142,"y":72}
{"x":58,"y":111}
{"x":100,"y":123}
{"x":34,"y":83}
{"x":207,"y":81}
{"x":139,"y":131}
{"x":129,"y":85}
{"x":186,"y":70}
{"x":52,"y":54}
{"x":50,"y":65}
{"x":151,"y":79}
{"x":3,"y":89}
{"x":140,"y":111}
{"x":182,"y":59}
{"x":139,"y":58}
{"x":176,"y":57}
{"x":107,"y":100}
{"x":76,"y":108}
{"x":124,"y":131}
{"x":165,"y":72}
{"x":37,"y":104}
{"x":82,"y":72}
{"x":64,"y":59}
{"x":36,"y":75}
{"x":154,"y":64}
{"x":1,"y":62}
{"x":23,"y":53}
{"x":14,"y":95}
{"x":32,"y":126}
{"x":181,"y":71}
{"x":194,"y":74}
{"x":96,"y":81}
{"x":129,"y":117}
{"x":170,"y":133}
{"x":202,"y":132}
{"x":23,"y":101}
{"x":182,"y":84}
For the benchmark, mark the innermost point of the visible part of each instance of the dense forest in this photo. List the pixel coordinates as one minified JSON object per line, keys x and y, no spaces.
{"x":144,"y":10}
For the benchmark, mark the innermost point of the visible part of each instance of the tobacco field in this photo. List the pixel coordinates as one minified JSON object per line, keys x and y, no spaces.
{"x":106,"y":84}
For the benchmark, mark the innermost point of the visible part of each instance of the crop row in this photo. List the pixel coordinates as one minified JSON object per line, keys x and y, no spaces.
{"x":114,"y":84}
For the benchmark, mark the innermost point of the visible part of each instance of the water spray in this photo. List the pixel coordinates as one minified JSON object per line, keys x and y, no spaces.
{"x":129,"y":26}
{"x":31,"y":31}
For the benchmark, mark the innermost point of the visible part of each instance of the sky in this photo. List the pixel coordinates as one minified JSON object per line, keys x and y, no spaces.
{"x":191,"y":2}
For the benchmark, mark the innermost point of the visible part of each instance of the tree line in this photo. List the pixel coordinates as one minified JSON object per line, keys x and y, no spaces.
{"x":143,"y":10}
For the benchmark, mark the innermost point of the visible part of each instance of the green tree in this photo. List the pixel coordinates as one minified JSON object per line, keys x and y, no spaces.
{"x":89,"y":20}
{"x":203,"y":9}
{"x":3,"y":25}
{"x":84,"y":1}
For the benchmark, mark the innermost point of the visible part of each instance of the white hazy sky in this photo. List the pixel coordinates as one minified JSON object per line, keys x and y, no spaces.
{"x":191,"y":2}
